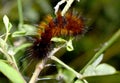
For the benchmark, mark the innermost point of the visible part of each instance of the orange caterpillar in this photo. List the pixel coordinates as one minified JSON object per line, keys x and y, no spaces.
{"x":68,"y":25}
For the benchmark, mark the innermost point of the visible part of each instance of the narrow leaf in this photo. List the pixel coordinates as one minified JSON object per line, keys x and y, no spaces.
{"x":18,"y":34}
{"x":22,"y":47}
{"x":6,"y":21}
{"x":10,"y":73}
{"x":9,"y":27}
{"x":29,"y":29}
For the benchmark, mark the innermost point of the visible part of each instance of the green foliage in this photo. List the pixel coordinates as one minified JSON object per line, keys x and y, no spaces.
{"x":69,"y":45}
{"x":8,"y":25}
{"x":25,"y":30}
{"x":8,"y":68}
{"x":10,"y":72}
{"x":102,"y":69}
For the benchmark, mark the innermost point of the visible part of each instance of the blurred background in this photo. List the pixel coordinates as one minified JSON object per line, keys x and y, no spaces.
{"x":102,"y":19}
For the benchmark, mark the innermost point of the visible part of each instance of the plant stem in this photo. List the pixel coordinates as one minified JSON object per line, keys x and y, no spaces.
{"x":105,"y":47}
{"x":41,"y":65}
{"x":6,"y":36}
{"x":66,"y":66}
{"x":37,"y":71}
{"x":14,"y":61}
{"x":78,"y":75}
{"x":19,"y":2}
{"x":7,"y":56}
{"x":10,"y":59}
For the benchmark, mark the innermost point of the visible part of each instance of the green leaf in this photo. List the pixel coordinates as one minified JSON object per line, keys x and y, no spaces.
{"x":13,"y":50}
{"x":29,"y":29}
{"x":68,"y":76}
{"x":98,"y":60}
{"x":10,"y":73}
{"x":22,"y":47}
{"x":6,"y":21}
{"x":9,"y":27}
{"x":102,"y":69}
{"x":79,"y":81}
{"x":7,"y":24}
{"x":69,"y":45}
{"x":26,"y":30}
{"x":57,"y":39}
{"x":105,"y":69}
{"x":19,"y":33}
{"x":89,"y":71}
{"x":114,"y":78}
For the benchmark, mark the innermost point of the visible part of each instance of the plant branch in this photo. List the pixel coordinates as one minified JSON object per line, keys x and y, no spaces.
{"x":20,"y":12}
{"x":104,"y":48}
{"x":14,"y":61}
{"x":78,"y":75}
{"x":37,"y":71}
{"x":7,"y":56}
{"x":41,"y":65}
{"x":6,"y":36}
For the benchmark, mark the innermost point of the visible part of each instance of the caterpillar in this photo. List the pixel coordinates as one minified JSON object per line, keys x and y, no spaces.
{"x":68,"y":25}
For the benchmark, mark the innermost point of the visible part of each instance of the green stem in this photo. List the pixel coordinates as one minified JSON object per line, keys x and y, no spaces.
{"x":6,"y":37}
{"x":7,"y":56}
{"x":11,"y":58}
{"x":14,"y":61}
{"x":66,"y":66}
{"x":105,"y":47}
{"x":20,"y":12}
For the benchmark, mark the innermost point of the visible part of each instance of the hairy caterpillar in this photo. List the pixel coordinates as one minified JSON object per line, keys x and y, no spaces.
{"x":68,"y":25}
